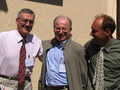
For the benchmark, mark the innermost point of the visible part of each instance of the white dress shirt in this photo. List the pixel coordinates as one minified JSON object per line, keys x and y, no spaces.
{"x":10,"y":44}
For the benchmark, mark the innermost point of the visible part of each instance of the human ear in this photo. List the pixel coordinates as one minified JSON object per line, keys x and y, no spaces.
{"x":17,"y":20}
{"x":108,"y":32}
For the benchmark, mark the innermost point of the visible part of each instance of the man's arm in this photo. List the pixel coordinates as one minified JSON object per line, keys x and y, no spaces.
{"x":40,"y":52}
{"x":40,"y":58}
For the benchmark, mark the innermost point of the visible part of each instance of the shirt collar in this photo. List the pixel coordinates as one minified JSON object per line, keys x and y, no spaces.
{"x":108,"y":46}
{"x":19,"y":37}
{"x":59,"y":46}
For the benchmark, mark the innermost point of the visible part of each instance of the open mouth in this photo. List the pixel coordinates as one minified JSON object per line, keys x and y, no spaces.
{"x":27,"y":29}
{"x":61,"y":36}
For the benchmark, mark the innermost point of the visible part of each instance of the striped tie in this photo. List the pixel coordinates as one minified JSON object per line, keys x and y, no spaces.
{"x":21,"y":71}
{"x":99,"y":71}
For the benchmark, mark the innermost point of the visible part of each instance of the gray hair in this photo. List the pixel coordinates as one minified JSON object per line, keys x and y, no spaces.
{"x":25,"y":10}
{"x":70,"y":21}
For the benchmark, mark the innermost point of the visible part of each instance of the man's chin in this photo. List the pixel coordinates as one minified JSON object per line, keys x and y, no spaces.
{"x":26,"y":33}
{"x":27,"y":30}
{"x":95,"y":41}
{"x":60,"y":41}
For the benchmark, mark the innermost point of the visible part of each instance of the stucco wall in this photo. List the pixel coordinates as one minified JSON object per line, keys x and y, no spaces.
{"x":81,"y":12}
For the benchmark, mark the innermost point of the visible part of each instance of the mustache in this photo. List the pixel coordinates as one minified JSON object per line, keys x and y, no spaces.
{"x":27,"y":27}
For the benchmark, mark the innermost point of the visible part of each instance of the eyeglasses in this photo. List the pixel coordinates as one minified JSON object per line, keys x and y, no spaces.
{"x":63,"y":29}
{"x":26,"y":20}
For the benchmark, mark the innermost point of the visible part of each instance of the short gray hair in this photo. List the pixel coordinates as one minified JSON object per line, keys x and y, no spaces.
{"x":25,"y":10}
{"x":70,"y":21}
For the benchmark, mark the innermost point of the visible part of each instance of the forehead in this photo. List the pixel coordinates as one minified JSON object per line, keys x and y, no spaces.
{"x":97,"y":23}
{"x":62,"y":21}
{"x":27,"y":16}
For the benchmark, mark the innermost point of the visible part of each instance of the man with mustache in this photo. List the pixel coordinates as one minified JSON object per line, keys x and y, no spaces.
{"x":103,"y":72}
{"x":18,"y":50}
{"x":63,"y":66}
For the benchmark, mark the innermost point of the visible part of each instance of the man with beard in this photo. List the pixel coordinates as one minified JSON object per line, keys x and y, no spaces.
{"x":103,"y":55}
{"x":18,"y":50}
{"x":63,"y":66}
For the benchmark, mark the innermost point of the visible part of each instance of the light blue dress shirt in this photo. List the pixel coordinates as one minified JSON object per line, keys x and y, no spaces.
{"x":54,"y":59}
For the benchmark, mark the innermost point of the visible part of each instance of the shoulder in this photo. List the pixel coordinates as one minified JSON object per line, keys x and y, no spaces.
{"x":89,"y":43}
{"x":46,"y":43}
{"x":6,"y":34}
{"x":76,"y":46}
{"x":116,"y":43}
{"x":33,"y":37}
{"x":78,"y":49}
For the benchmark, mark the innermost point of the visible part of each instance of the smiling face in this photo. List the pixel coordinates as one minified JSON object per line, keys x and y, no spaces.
{"x":100,"y":36}
{"x":62,"y":29}
{"x":25,"y":24}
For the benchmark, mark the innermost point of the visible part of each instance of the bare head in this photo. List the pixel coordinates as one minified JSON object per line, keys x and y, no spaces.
{"x":102,"y":29}
{"x":108,"y":22}
{"x":70,"y":21}
{"x":25,"y":21}
{"x":62,"y":28}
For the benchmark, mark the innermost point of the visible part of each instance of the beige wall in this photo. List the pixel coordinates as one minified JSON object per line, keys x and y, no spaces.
{"x":81,"y":12}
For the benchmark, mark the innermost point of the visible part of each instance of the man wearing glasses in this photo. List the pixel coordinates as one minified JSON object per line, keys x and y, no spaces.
{"x":64,"y":66}
{"x":18,"y":50}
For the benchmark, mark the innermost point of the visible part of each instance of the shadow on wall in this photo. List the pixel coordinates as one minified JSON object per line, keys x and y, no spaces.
{"x":3,"y":6}
{"x":53,"y":2}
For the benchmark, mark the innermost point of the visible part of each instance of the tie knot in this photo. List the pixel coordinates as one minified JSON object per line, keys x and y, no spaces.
{"x":102,"y":48}
{"x":23,"y":40}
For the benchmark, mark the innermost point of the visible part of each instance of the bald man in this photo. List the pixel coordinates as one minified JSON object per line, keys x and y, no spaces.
{"x":64,"y":66}
{"x":106,"y":77}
